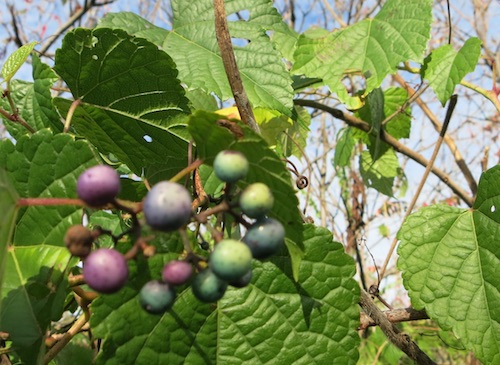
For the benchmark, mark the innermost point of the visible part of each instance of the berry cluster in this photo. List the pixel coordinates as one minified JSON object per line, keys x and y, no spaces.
{"x":169,"y":207}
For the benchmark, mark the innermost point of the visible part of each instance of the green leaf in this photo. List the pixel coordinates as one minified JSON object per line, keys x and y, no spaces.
{"x":344,"y":147}
{"x":380,"y":174}
{"x":371,"y":48}
{"x":274,"y":320}
{"x":131,"y":103}
{"x":33,"y":295}
{"x":79,"y":351}
{"x":8,"y":200}
{"x":16,"y":60}
{"x":400,"y":125}
{"x":444,"y":68}
{"x":193,"y":46}
{"x":449,"y":257}
{"x":265,"y":166}
{"x":33,"y":100}
{"x":44,"y":165}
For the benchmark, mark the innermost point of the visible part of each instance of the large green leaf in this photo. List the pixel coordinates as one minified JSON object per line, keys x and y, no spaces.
{"x":44,"y":165}
{"x":265,"y":166}
{"x":193,"y":46}
{"x":444,"y":68}
{"x":274,"y":320}
{"x":33,"y":295}
{"x":449,"y":259}
{"x":8,"y":200}
{"x":33,"y":101}
{"x":132,"y":104}
{"x":371,"y":48}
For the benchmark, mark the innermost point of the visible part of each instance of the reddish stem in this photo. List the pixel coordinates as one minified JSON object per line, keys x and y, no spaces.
{"x":26,"y":202}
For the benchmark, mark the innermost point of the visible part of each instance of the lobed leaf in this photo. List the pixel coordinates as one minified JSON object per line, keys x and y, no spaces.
{"x":371,"y":48}
{"x":448,"y":257}
{"x":444,"y":68}
{"x":275,"y":320}
{"x":33,"y":295}
{"x":33,"y":101}
{"x":45,"y":165}
{"x":131,"y":103}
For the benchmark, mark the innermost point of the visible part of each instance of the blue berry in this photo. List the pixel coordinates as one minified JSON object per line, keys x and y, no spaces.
{"x":167,"y":206}
{"x":265,"y":237}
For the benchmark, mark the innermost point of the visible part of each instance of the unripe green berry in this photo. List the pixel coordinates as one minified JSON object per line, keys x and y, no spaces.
{"x":230,"y":259}
{"x":208,"y":287}
{"x":230,"y":166}
{"x":256,"y":200}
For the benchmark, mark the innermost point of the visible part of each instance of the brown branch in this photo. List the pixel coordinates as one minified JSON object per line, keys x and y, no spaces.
{"x":398,"y":338}
{"x":394,"y":316}
{"x":447,"y":139}
{"x":398,"y":146}
{"x":229,"y":61}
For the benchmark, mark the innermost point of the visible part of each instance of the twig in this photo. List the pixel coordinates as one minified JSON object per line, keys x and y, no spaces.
{"x":449,"y":112}
{"x":394,"y":316}
{"x":398,"y":338}
{"x":75,"y":329}
{"x":471,"y":181}
{"x":398,"y":146}
{"x":25,"y":202}
{"x":229,"y":61}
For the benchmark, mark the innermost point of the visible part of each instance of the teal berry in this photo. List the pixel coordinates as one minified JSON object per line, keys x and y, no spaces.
{"x":167,"y":206}
{"x":265,"y":237}
{"x":256,"y":200}
{"x":208,"y":287}
{"x":230,"y":259}
{"x":156,"y":297}
{"x":230,"y":166}
{"x":243,"y":281}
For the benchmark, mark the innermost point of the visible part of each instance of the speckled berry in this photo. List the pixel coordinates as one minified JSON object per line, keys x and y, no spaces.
{"x":230,"y":259}
{"x":98,"y":185}
{"x":156,"y":297}
{"x":230,"y":166}
{"x":105,"y":270}
{"x":256,"y":200}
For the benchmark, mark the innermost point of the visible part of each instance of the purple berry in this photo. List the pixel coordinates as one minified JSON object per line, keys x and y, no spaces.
{"x":177,"y":272}
{"x":105,"y":270}
{"x":167,"y":206}
{"x":98,"y":185}
{"x":230,"y":166}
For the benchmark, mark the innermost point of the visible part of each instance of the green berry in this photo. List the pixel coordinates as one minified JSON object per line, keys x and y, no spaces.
{"x":230,"y":259}
{"x":156,"y":297}
{"x":256,"y":200}
{"x":230,"y":166}
{"x":208,"y":287}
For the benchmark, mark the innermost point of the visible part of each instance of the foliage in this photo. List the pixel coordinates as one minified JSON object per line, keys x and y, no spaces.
{"x":143,"y":99}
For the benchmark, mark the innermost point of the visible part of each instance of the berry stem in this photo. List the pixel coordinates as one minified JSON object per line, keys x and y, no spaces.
{"x":194,"y":165}
{"x":26,"y":202}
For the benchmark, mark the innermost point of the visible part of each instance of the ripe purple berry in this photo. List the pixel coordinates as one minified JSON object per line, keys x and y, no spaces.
{"x":98,"y":185}
{"x":167,"y":206}
{"x":230,"y":166}
{"x":177,"y":272}
{"x":105,"y":270}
